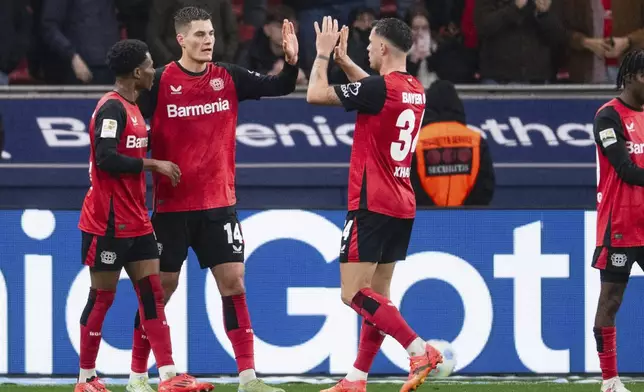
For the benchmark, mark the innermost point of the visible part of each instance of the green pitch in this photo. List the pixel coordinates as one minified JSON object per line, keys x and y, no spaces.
{"x":427,"y":387}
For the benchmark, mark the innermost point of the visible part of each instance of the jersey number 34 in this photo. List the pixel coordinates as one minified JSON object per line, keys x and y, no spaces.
{"x":406,"y":122}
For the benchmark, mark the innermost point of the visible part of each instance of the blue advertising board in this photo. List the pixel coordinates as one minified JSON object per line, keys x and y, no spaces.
{"x":512,"y":291}
{"x":289,"y":134}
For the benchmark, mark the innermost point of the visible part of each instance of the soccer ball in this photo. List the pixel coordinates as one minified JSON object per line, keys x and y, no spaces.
{"x":449,"y":358}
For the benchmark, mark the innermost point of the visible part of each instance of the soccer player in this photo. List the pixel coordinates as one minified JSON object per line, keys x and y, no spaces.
{"x":382,"y":205}
{"x":619,"y":134}
{"x":193,"y":110}
{"x":116,"y":230}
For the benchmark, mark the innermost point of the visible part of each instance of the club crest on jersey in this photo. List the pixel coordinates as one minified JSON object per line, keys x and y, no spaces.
{"x":217,"y":84}
{"x":108,"y":257}
{"x":618,"y":259}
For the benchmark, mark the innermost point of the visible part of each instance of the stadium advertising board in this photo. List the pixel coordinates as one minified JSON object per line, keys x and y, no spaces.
{"x":512,"y":290}
{"x":289,"y":133}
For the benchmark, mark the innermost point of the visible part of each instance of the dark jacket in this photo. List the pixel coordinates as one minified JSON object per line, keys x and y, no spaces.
{"x":628,"y":21}
{"x":85,"y":27}
{"x":15,"y":30}
{"x":162,"y":37}
{"x":516,"y":45}
{"x":256,"y":55}
{"x":444,"y":105}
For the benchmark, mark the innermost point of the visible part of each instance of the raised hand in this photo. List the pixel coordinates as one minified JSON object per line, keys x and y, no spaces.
{"x":290,"y":46}
{"x":327,"y":37}
{"x":340,"y":52}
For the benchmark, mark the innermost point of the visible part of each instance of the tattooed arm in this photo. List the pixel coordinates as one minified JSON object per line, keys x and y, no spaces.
{"x":319,"y":91}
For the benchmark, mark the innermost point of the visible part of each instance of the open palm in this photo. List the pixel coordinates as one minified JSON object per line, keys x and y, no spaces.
{"x":289,"y":42}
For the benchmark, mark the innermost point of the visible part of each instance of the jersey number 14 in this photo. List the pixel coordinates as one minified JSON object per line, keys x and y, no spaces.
{"x":406,"y":122}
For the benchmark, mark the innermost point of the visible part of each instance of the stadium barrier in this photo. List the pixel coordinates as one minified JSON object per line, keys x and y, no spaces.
{"x":512,"y":290}
{"x":540,"y":138}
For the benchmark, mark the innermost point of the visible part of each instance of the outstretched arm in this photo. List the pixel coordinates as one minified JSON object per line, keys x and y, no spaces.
{"x":319,"y":91}
{"x":352,"y":70}
{"x":252,"y":85}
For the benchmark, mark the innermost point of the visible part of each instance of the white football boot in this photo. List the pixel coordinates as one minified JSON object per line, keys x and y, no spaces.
{"x":139,"y":384}
{"x":613,"y":385}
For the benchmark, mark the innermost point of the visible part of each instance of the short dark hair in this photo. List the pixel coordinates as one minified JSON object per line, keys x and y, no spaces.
{"x":277,"y":14}
{"x":126,"y":55}
{"x":186,"y":15}
{"x":632,"y":64}
{"x":395,"y":31}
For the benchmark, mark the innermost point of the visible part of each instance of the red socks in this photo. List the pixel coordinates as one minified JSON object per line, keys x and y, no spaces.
{"x":151,"y":309}
{"x":380,"y":312}
{"x":98,"y":303}
{"x":239,"y":330}
{"x":371,"y":339}
{"x":607,"y":350}
{"x":140,"y":347}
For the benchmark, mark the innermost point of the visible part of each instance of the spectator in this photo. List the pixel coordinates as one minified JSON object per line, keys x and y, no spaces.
{"x":418,"y":61}
{"x":162,"y":37}
{"x":264,"y":53}
{"x":15,"y":29}
{"x":361,"y":20}
{"x":628,"y":26}
{"x":517,"y":39}
{"x":78,"y":33}
{"x":254,"y":12}
{"x":439,"y":52}
{"x":311,"y":11}
{"x":452,"y":165}
{"x":133,"y":15}
{"x":584,"y":21}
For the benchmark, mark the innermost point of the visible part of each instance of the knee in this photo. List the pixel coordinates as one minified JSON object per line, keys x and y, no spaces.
{"x":610,"y":304}
{"x":169,"y":284}
{"x":232,"y":285}
{"x":347,"y":295}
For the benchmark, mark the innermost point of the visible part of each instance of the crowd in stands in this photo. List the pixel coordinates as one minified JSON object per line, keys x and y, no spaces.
{"x":462,"y":41}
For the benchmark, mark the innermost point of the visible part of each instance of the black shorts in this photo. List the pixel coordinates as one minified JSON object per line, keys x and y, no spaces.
{"x":372,"y":237}
{"x":215,"y":235}
{"x":616,"y":263}
{"x":102,"y":253}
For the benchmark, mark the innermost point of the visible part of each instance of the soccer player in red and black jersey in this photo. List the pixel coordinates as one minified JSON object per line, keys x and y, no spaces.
{"x":619,"y":135}
{"x":116,"y":229}
{"x":382,"y":205}
{"x":193,"y":117}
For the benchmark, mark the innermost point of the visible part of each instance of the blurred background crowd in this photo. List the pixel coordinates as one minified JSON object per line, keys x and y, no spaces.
{"x":461,"y":41}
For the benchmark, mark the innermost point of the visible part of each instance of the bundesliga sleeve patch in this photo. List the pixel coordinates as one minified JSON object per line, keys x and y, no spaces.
{"x":607,"y":137}
{"x":108,"y":128}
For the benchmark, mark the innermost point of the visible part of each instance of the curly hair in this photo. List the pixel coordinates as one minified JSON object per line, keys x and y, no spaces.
{"x":126,"y":55}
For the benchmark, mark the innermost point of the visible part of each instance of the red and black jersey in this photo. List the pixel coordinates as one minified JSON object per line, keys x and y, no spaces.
{"x":115,"y":203}
{"x":193,"y":124}
{"x":390,"y":113}
{"x":619,"y":135}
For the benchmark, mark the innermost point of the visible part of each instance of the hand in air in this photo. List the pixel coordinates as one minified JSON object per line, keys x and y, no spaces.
{"x":340,"y":52}
{"x":290,"y":46}
{"x":327,"y":37}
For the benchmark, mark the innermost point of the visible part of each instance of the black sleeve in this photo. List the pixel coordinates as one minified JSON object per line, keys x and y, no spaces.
{"x":109,"y":124}
{"x":148,"y":98}
{"x":366,"y":96}
{"x":483,"y":189}
{"x":252,"y":85}
{"x":609,"y":136}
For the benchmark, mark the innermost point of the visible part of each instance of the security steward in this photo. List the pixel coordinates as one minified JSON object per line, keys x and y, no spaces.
{"x":452,"y":165}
